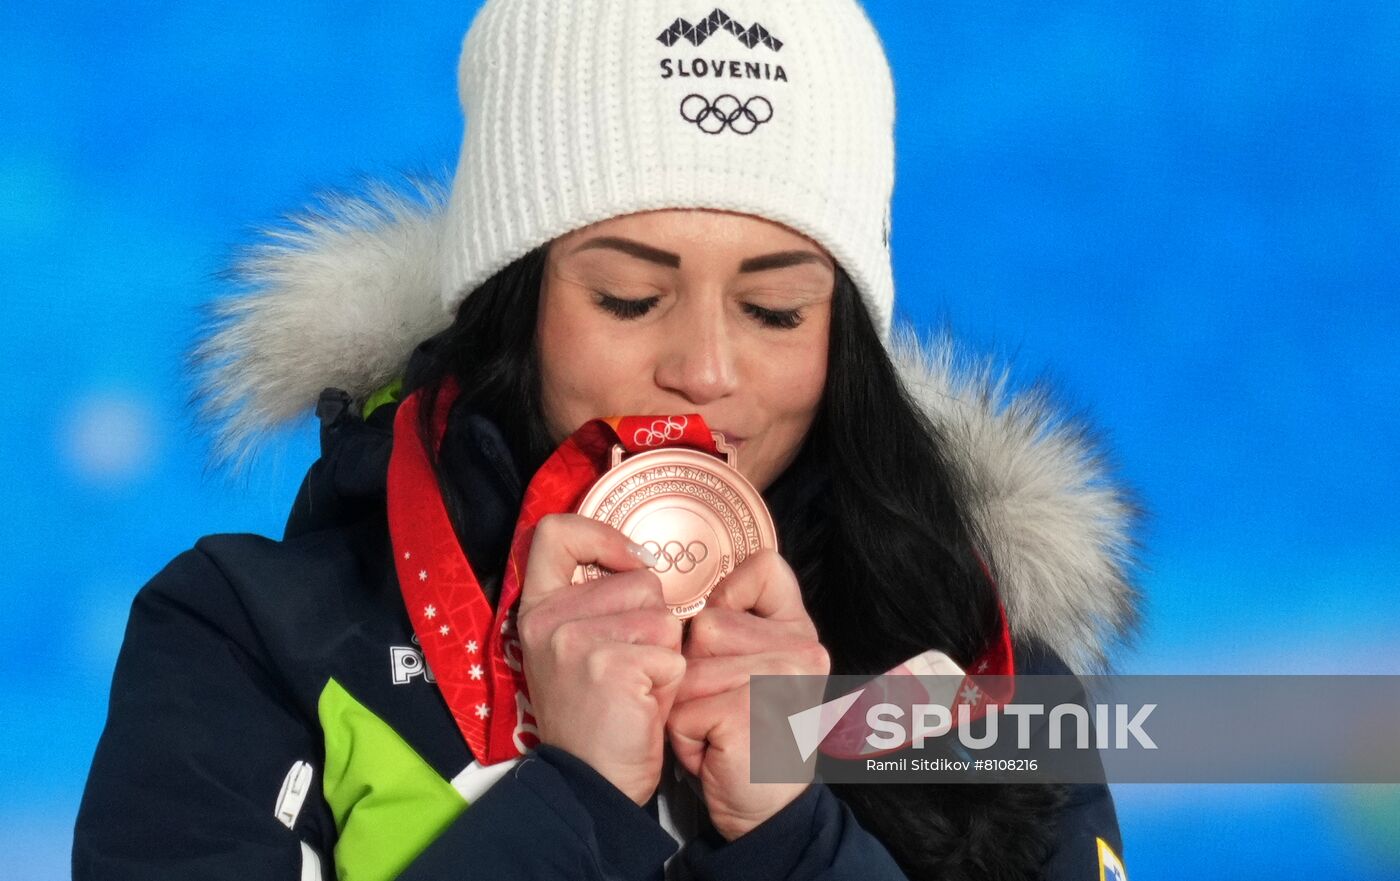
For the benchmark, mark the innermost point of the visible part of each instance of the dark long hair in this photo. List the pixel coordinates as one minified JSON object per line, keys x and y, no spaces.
{"x":867,"y":515}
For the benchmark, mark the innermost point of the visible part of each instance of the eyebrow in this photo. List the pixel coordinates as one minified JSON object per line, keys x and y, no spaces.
{"x":778,"y":260}
{"x":782,"y":260}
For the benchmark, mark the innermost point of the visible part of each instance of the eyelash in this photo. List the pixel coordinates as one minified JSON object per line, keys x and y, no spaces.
{"x":628,"y":310}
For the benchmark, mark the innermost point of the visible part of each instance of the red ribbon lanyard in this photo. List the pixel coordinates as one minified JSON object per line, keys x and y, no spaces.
{"x":474,"y":651}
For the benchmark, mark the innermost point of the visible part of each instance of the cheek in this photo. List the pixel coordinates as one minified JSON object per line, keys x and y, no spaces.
{"x":794,"y":381}
{"x":563,"y":387}
{"x":804,"y":375}
{"x":811,"y":381}
{"x":581,"y":367}
{"x":789,"y":394}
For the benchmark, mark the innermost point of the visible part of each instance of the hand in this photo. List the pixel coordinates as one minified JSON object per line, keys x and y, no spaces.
{"x":602,"y":658}
{"x":753,"y":623}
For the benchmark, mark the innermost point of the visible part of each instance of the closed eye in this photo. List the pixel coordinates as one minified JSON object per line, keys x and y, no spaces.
{"x":628,"y":310}
{"x":785,"y":319}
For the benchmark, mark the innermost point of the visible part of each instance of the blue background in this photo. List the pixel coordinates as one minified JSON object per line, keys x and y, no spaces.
{"x":1185,"y":215}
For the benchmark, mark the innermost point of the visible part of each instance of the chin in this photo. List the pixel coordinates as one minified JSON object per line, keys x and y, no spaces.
{"x":760,"y":480}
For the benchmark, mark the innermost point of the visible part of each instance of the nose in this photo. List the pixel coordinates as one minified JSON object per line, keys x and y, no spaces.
{"x":698,"y":359}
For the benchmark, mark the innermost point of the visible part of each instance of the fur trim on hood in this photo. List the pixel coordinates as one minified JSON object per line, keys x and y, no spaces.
{"x":342,"y":296}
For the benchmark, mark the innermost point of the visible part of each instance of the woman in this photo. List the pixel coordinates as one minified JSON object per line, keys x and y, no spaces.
{"x":652,"y":215}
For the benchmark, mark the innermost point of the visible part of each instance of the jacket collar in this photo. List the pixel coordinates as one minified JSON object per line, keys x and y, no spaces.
{"x":343,"y":297}
{"x":348,"y":481}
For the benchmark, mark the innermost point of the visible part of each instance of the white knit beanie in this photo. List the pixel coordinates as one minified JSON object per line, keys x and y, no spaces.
{"x":582,"y":110}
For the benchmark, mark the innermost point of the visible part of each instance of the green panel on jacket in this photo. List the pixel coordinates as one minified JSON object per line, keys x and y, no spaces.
{"x":388,"y":803}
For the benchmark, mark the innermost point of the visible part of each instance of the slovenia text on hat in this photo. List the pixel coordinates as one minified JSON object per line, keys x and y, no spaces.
{"x":581,"y":110}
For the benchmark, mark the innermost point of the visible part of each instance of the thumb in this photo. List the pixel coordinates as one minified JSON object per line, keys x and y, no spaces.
{"x":688,"y":729}
{"x":666,"y":683}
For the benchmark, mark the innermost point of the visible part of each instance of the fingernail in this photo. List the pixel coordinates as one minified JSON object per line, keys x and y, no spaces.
{"x":641,"y":553}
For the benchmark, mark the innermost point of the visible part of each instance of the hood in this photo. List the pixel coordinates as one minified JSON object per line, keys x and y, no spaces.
{"x":342,"y":294}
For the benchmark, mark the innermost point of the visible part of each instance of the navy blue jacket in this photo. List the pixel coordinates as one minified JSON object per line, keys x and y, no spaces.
{"x":271,"y":717}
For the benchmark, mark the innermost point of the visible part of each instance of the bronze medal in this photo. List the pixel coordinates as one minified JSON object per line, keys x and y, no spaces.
{"x":698,"y":514}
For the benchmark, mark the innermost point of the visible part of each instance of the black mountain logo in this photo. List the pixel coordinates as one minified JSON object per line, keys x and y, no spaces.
{"x":700,"y":31}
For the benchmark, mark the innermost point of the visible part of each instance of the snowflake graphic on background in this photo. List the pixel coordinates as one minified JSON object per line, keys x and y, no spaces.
{"x":482,"y":711}
{"x":475,"y":671}
{"x":430,"y":611}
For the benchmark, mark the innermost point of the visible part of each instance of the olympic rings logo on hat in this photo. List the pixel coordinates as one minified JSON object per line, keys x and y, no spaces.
{"x":673,"y":554}
{"x":660,"y":431}
{"x":726,"y":111}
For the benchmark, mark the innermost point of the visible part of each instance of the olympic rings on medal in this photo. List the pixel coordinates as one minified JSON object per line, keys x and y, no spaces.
{"x":683,"y":558}
{"x":726,"y":111}
{"x":660,"y":431}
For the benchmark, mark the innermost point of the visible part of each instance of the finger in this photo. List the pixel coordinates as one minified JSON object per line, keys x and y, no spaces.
{"x":616,"y":594}
{"x":634,"y":672}
{"x":656,"y":627}
{"x":765,"y":585}
{"x":621,"y":592}
{"x":661,"y":669}
{"x":666,"y":670}
{"x":710,"y":676}
{"x":640,"y":670}
{"x":693,"y":725}
{"x":719,"y":631}
{"x":562,"y":542}
{"x":705,"y":677}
